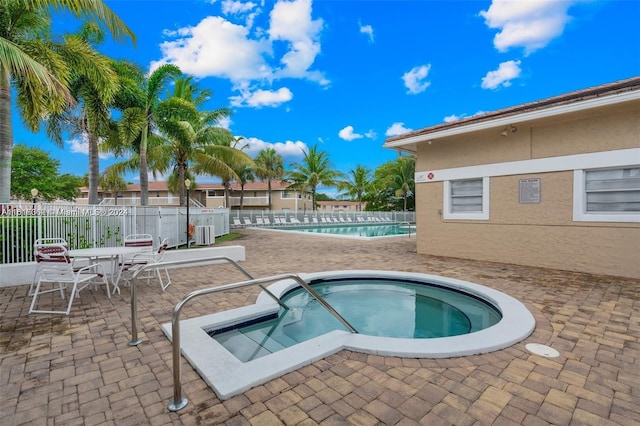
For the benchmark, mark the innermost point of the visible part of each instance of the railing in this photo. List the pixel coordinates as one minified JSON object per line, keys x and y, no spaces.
{"x":179,"y":402}
{"x":84,"y":226}
{"x":246,"y":201}
{"x":172,"y":264}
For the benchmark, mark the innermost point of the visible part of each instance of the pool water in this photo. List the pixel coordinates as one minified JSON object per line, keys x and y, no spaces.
{"x":375,"y":307}
{"x":355,"y":230}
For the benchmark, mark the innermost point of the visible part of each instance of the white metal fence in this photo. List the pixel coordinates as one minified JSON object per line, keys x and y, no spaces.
{"x":300,"y":215}
{"x":85,"y":226}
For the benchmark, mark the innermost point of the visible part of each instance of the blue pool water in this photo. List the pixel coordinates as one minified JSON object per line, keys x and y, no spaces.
{"x":354,"y":230}
{"x":375,"y":307}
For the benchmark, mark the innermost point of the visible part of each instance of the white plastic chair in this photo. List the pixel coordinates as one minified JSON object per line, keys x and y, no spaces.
{"x":40,"y":246}
{"x":56,"y":267}
{"x":137,"y":261}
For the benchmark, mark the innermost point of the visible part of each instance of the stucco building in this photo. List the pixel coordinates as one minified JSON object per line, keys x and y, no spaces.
{"x":553,"y":183}
{"x":254,"y":197}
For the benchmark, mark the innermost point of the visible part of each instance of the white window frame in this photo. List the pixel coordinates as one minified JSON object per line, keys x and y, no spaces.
{"x":580,"y":213}
{"x":483,"y":215}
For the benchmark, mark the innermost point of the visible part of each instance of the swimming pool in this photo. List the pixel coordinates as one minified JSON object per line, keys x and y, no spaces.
{"x":228,"y":375}
{"x":351,"y":230}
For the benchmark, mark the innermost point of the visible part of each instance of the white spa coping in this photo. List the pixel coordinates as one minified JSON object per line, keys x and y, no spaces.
{"x":228,"y":376}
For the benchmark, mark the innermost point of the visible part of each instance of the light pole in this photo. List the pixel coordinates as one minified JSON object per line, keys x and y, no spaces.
{"x":187,"y":185}
{"x":34,"y":194}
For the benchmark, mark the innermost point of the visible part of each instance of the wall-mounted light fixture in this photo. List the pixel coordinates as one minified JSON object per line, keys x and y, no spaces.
{"x":509,"y":129}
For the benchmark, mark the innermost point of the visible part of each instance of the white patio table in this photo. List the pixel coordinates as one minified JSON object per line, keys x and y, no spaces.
{"x":112,"y":254}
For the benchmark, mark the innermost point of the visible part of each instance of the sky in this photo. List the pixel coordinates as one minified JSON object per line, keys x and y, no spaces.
{"x":347,"y":74}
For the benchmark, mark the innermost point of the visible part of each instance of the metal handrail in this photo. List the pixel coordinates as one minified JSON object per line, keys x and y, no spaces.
{"x":179,"y":402}
{"x":185,"y":262}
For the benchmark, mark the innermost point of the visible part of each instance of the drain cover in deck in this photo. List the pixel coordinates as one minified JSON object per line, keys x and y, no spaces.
{"x":542,"y":350}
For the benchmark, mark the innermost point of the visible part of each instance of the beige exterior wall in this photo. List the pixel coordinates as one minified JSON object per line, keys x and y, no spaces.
{"x":542,"y":234}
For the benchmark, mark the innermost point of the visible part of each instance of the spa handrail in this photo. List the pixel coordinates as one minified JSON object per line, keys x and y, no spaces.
{"x":179,"y":402}
{"x":134,"y":298}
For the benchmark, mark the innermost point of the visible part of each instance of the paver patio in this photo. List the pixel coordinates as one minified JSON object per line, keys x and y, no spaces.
{"x":79,"y":370}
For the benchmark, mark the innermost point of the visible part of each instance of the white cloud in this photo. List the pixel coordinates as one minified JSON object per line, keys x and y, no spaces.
{"x":451,"y":118}
{"x":506,"y":72}
{"x":414,"y":80}
{"x":368,"y":30}
{"x":397,"y":129}
{"x":371,"y":134}
{"x":348,"y":134}
{"x":80,"y":145}
{"x":528,"y":24}
{"x":288,"y":149}
{"x":260,"y":98}
{"x":232,"y":7}
{"x":218,"y":47}
{"x":291,"y":23}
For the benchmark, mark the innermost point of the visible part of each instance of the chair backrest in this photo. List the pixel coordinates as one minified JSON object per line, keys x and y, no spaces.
{"x":139,"y":240}
{"x":51,"y":250}
{"x":54,"y":261}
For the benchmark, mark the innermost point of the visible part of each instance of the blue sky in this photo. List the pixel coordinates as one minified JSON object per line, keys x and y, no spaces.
{"x":345,"y":75}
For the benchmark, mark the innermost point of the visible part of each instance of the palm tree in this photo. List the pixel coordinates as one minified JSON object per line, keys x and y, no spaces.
{"x":139,"y":120}
{"x":37,"y":72}
{"x":93,"y":84}
{"x":226,"y":180}
{"x":356,"y":186}
{"x":269,"y":167}
{"x":245,"y":174}
{"x":314,"y":170}
{"x":398,"y":175}
{"x":195,"y":137}
{"x":113,"y":183}
{"x":196,"y":143}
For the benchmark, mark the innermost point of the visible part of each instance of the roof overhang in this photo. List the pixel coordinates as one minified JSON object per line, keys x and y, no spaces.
{"x":409,"y":144}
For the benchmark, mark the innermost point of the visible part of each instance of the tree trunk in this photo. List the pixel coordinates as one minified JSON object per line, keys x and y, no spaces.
{"x":6,"y":136}
{"x":94,"y":169}
{"x":269,"y":191}
{"x":144,"y":174}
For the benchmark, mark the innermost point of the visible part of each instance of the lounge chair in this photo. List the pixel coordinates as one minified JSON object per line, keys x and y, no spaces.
{"x":267,"y":221}
{"x":236,"y":222}
{"x":305,"y":219}
{"x":259,"y":221}
{"x":314,"y":220}
{"x":247,"y":221}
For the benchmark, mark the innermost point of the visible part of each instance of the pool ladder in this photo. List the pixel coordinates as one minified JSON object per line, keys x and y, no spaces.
{"x":179,"y":402}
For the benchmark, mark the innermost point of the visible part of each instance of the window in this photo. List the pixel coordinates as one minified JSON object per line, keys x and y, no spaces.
{"x":466,"y":199}
{"x":285,"y":194}
{"x":607,"y":195}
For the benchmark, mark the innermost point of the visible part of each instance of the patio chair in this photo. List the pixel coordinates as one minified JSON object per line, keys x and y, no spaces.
{"x":259,"y":221}
{"x":139,"y":240}
{"x":41,"y":246}
{"x":138,"y":260}
{"x":56,"y":267}
{"x":314,"y":220}
{"x":247,"y":221}
{"x":305,"y":219}
{"x":267,"y":221}
{"x":236,"y":222}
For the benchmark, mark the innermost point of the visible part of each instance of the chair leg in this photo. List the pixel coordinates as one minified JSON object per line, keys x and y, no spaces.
{"x":33,"y":281}
{"x":37,"y":292}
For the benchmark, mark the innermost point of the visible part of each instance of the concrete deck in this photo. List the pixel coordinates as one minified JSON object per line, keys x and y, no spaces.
{"x":79,"y":370}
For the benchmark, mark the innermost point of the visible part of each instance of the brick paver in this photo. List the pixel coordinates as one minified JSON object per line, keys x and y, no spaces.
{"x":59,"y":370}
